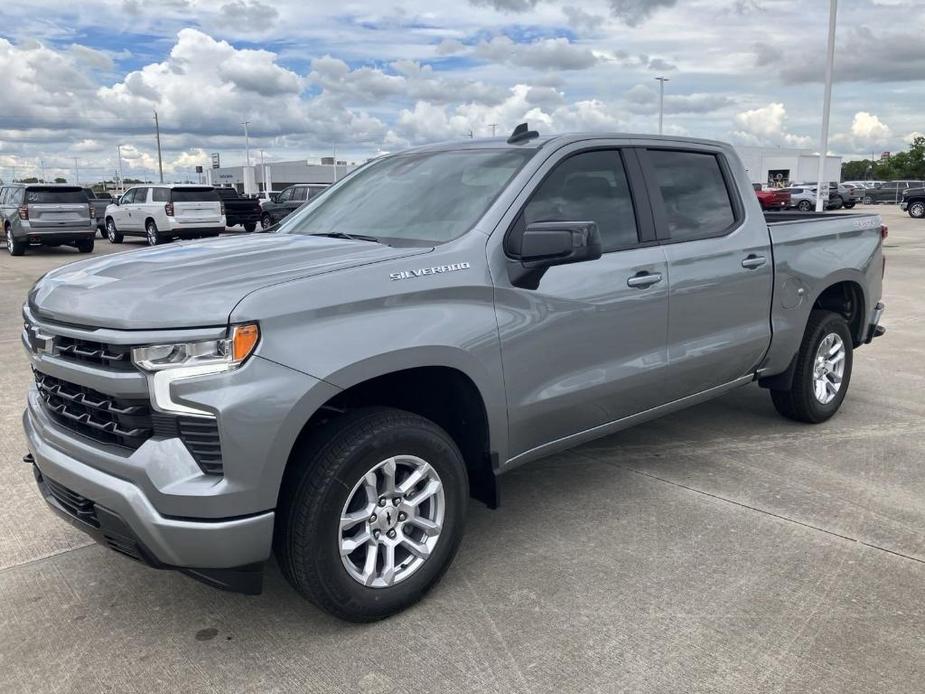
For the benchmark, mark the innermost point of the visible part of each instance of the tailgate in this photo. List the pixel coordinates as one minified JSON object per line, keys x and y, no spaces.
{"x":198,"y":211}
{"x":50,"y":215}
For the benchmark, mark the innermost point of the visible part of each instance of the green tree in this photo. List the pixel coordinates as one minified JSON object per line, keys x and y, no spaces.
{"x":60,"y":180}
{"x":902,"y":165}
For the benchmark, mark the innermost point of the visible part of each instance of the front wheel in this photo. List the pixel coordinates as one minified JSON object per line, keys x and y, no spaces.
{"x":849,"y":205}
{"x":868,"y":200}
{"x":266,"y":221}
{"x":85,"y":245}
{"x":917,"y":209}
{"x":371,"y":513}
{"x":250,"y":227}
{"x":805,"y":206}
{"x":823,"y":370}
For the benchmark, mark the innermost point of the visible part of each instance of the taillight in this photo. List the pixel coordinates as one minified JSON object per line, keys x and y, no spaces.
{"x":91,"y":212}
{"x":884,"y":231}
{"x":222,"y":208}
{"x":168,"y":209}
{"x":24,"y":212}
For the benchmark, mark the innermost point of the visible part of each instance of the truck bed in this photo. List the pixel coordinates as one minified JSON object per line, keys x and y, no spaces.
{"x":813,"y":251}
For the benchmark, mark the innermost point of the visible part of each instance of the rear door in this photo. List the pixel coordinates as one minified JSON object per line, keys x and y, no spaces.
{"x":299,"y":196}
{"x":719,"y":266}
{"x":587,"y":346}
{"x":197,"y":205}
{"x":57,"y":207}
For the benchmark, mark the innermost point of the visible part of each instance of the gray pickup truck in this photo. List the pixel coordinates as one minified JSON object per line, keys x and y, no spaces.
{"x":335,"y":390}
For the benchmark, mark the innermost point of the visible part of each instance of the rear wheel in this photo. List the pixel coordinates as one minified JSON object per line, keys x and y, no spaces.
{"x":868,"y":200}
{"x":152,"y":235}
{"x":266,"y":220}
{"x":12,"y":245}
{"x":85,"y":245}
{"x":917,"y":209}
{"x":823,"y":370}
{"x":849,"y":205}
{"x":250,"y":227}
{"x":805,"y":206}
{"x":371,"y":513}
{"x":111,"y":232}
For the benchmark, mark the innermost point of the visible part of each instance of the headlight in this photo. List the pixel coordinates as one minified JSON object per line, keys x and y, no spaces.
{"x":164,"y":364}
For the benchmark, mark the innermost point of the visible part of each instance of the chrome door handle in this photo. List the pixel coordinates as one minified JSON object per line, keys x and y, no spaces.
{"x":754,"y":261}
{"x":644,"y":280}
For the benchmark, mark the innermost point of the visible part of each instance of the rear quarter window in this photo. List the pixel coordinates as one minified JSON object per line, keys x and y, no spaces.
{"x":194,"y":195}
{"x":160,"y":195}
{"x":55,"y":195}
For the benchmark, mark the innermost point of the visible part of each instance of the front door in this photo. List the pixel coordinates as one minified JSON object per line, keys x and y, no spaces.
{"x":588,"y":345}
{"x":720,"y":265}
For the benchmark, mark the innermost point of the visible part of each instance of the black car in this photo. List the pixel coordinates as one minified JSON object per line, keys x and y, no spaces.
{"x":239,"y":210}
{"x":289,"y":200}
{"x":914,"y":202}
{"x":889,"y":191}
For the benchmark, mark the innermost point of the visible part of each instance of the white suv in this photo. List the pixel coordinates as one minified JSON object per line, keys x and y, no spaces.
{"x":164,"y":212}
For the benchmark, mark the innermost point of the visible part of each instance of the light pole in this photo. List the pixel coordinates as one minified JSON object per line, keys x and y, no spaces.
{"x":661,"y":101}
{"x":822,"y":186}
{"x":157,"y":131}
{"x":492,"y":126}
{"x":42,"y":162}
{"x":247,"y":144}
{"x":121,"y":175}
{"x":76,"y":171}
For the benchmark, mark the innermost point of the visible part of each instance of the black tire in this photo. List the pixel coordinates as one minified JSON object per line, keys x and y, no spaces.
{"x":250,"y":227}
{"x":849,"y":205}
{"x":805,"y":206}
{"x":85,"y":245}
{"x":152,"y":235}
{"x":868,"y":200}
{"x":318,"y":483}
{"x":837,"y":202}
{"x":266,"y":220}
{"x":917,"y":209}
{"x":800,"y":403}
{"x":13,"y":246}
{"x":111,"y":232}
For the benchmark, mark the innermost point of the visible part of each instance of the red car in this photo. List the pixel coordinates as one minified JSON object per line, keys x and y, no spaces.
{"x":772,"y":198}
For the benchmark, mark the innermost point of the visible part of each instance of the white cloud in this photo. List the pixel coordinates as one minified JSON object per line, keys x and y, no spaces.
{"x":867,"y":132}
{"x":543,"y":54}
{"x":766,"y":125}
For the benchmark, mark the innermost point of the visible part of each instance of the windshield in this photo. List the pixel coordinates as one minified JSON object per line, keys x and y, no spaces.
{"x":429,"y":197}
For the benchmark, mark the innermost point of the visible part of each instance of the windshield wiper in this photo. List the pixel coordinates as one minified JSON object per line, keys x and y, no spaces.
{"x":352,"y":237}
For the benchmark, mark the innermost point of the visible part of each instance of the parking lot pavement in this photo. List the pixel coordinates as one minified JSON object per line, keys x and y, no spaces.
{"x":718,"y":549}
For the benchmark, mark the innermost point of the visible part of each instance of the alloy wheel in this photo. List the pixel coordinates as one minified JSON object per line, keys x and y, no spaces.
{"x":391,"y":521}
{"x":829,"y":368}
{"x":917,"y":209}
{"x":151,"y":232}
{"x":9,"y":241}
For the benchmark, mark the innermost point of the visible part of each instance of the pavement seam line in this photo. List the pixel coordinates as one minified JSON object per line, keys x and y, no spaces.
{"x":28,"y":562}
{"x":763,"y":511}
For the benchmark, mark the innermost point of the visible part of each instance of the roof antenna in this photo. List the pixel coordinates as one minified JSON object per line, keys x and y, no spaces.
{"x":521,"y":134}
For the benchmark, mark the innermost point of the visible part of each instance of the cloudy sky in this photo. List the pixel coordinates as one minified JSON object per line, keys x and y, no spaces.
{"x":366,"y":76}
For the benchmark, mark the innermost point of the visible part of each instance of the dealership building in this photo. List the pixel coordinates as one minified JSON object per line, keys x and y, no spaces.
{"x":772,"y":166}
{"x":277,"y":175}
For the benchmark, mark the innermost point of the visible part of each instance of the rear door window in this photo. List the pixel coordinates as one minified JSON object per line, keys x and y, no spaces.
{"x":696,"y":199}
{"x":160,"y":195}
{"x":49,"y":195}
{"x":194,"y":195}
{"x":299,"y":194}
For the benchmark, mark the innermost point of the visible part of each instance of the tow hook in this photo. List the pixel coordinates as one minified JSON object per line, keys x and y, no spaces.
{"x":27,"y":458}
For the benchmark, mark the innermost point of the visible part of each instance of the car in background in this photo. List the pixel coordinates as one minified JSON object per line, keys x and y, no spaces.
{"x":840,"y":195}
{"x":890,"y":192}
{"x":804,"y":199}
{"x":772,"y":198}
{"x":46,"y":214}
{"x":913,"y":202}
{"x":265,"y":196}
{"x":163,"y":212}
{"x":289,"y":200}
{"x":240,"y":210}
{"x":862,"y":185}
{"x":99,"y":201}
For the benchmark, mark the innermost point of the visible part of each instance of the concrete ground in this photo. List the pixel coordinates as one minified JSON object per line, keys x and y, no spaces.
{"x":720,"y":549}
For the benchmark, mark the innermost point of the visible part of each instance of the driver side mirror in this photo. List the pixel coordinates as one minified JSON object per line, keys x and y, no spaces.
{"x":545,"y":244}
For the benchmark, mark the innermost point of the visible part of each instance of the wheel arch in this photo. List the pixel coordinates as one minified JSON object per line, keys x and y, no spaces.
{"x":845,"y":297}
{"x":443,"y":394}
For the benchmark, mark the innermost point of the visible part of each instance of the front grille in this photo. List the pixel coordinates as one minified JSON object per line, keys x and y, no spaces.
{"x":127,"y":423}
{"x":101,"y":417}
{"x":78,"y":506}
{"x":118,"y":357}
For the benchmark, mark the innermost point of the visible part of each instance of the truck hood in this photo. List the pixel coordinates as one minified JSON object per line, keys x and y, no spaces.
{"x":193,"y":283}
